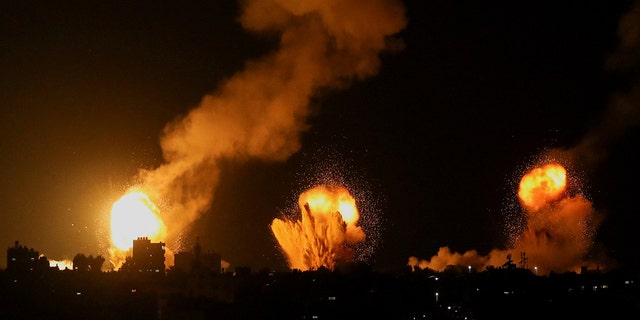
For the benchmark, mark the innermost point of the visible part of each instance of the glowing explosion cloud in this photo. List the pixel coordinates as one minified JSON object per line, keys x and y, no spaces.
{"x":558,"y":230}
{"x":327,"y":228}
{"x":133,"y":216}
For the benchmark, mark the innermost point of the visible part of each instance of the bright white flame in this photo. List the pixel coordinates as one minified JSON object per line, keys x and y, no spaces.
{"x":61,"y":264}
{"x":133,"y":216}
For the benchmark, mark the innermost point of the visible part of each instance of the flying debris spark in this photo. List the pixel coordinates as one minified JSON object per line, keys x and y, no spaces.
{"x":326,"y":232}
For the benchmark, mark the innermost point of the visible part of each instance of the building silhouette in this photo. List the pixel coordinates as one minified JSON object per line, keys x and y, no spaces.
{"x":23,"y":259}
{"x":197,"y":261}
{"x":147,"y":256}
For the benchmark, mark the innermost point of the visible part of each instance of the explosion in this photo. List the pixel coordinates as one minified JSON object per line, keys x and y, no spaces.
{"x":542,"y":185}
{"x":559,"y":225}
{"x":133,"y":215}
{"x":326,"y":231}
{"x":557,"y":234}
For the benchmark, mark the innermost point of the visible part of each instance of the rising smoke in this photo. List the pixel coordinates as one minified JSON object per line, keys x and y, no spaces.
{"x":558,"y":236}
{"x":261,"y":111}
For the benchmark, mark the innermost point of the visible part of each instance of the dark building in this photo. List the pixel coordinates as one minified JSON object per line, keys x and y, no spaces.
{"x":83,"y":263}
{"x":148,"y":256}
{"x":23,"y":259}
{"x":197,"y":261}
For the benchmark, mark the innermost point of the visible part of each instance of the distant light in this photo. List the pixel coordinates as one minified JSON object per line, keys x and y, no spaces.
{"x":78,"y":293}
{"x":332,"y":298}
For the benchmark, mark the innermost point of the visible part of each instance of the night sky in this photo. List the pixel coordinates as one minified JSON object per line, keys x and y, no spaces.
{"x":432,"y":143}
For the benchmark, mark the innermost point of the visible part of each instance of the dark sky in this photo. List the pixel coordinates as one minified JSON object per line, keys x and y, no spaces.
{"x":433,"y":142}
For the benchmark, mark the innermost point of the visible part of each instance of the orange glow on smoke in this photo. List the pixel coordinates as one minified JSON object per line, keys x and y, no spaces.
{"x":134,"y":215}
{"x":542,"y":185}
{"x":323,"y":235}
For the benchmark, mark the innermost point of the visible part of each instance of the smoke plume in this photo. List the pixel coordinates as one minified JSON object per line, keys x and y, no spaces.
{"x":261,"y":111}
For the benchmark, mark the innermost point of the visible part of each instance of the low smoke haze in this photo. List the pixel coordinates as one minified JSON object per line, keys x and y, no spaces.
{"x":224,"y":112}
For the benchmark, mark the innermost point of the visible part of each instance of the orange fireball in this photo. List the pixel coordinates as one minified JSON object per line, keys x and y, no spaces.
{"x":132,"y":216}
{"x":542,"y":185}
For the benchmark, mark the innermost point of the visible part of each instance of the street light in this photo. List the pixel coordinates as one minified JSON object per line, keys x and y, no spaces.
{"x":469,"y":269}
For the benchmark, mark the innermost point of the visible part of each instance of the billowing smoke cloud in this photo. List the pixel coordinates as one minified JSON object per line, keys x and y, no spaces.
{"x":261,"y":111}
{"x":558,"y":235}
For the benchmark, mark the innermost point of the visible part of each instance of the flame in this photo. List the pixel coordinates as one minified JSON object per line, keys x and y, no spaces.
{"x":323,"y":235}
{"x":134,"y":215}
{"x":327,"y":199}
{"x":61,"y":264}
{"x":542,"y":185}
